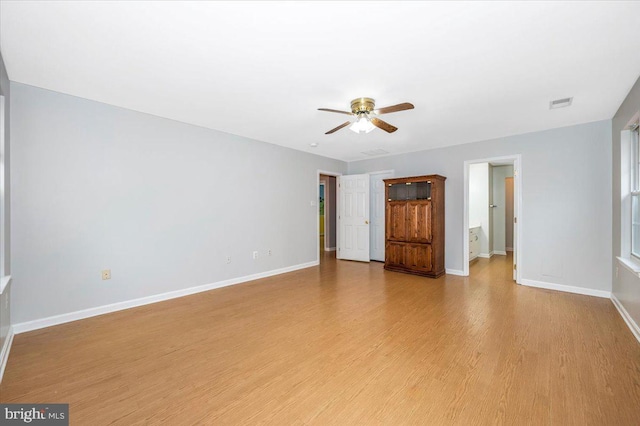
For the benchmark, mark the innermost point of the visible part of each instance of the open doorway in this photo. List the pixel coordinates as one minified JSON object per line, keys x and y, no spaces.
{"x":321,"y":201}
{"x":491,"y":209}
{"x":327,"y":214}
{"x":501,"y":209}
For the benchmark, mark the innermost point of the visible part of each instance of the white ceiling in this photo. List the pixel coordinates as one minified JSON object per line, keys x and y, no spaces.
{"x":473,"y":70}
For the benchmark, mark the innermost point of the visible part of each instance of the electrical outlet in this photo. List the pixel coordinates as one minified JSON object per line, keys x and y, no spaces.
{"x":255,"y":254}
{"x":228,"y":259}
{"x":269,"y":252}
{"x":106,"y":274}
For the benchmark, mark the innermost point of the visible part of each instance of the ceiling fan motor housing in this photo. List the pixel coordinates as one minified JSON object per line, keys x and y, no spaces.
{"x":362,"y":105}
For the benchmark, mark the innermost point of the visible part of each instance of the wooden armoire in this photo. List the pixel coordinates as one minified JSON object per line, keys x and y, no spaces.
{"x":414,"y":225}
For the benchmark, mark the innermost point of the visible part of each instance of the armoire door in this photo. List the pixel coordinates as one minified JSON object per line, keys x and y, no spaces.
{"x":395,"y":254}
{"x":396,"y":221}
{"x":418,"y":257}
{"x":419,"y":221}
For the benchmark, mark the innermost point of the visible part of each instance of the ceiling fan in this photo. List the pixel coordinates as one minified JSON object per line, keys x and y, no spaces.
{"x":363,"y":109}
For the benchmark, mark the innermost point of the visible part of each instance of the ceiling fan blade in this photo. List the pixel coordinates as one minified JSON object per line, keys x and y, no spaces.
{"x":345,"y":124}
{"x":383,"y":125}
{"x":395,"y":108}
{"x":335,"y":110}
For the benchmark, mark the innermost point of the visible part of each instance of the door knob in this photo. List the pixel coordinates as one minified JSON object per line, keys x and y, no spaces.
{"x":366,"y":222}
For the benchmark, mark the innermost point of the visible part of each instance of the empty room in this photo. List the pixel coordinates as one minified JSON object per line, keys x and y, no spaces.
{"x":319,"y":212}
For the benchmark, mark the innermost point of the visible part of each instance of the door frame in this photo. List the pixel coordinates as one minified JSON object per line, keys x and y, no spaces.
{"x":317,"y":215}
{"x":516,"y":160}
{"x":324,"y":220}
{"x":505,"y":213}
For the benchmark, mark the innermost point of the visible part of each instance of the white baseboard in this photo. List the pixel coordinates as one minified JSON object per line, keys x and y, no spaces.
{"x":485,"y":255}
{"x":500,"y":252}
{"x":454,"y":272}
{"x":4,"y":353}
{"x":508,"y":248}
{"x":566,"y":288}
{"x":330,"y":249}
{"x":24,"y":327}
{"x":626,"y":317}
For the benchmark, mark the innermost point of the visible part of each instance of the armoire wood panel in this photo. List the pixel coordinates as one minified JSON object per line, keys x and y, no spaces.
{"x":415,"y":225}
{"x":419,"y":221}
{"x":394,"y":254}
{"x":396,"y":229}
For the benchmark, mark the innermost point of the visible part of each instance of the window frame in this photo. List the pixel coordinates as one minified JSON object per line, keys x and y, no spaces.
{"x":4,"y":278}
{"x":634,"y":189}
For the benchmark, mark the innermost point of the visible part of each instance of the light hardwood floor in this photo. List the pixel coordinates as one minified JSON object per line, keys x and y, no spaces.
{"x":344,"y":343}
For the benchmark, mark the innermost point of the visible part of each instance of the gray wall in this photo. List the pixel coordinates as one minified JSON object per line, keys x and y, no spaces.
{"x":626,"y":286}
{"x":160,"y":203}
{"x":5,"y":297}
{"x":566,"y":237}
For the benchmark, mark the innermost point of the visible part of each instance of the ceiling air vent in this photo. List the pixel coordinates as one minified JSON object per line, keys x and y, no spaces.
{"x":373,"y":152}
{"x":560,"y":103}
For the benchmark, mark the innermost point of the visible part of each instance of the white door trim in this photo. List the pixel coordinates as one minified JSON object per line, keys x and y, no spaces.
{"x":516,"y":160}
{"x":325,"y":215}
{"x":378,"y":172}
{"x":318,"y":173}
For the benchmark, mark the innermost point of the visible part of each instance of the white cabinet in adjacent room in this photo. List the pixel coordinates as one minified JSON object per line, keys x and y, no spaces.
{"x":474,"y":242}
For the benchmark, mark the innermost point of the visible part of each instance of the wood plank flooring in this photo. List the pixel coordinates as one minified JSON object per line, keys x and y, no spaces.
{"x":344,"y":343}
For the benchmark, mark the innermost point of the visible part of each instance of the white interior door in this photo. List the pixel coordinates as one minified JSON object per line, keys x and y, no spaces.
{"x":353,"y":217}
{"x":376,"y":222}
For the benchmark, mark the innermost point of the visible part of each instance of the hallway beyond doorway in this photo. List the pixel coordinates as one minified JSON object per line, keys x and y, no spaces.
{"x":497,"y":267}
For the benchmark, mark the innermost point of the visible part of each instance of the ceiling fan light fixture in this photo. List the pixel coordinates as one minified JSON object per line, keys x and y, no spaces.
{"x":366,"y":116}
{"x":362,"y":124}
